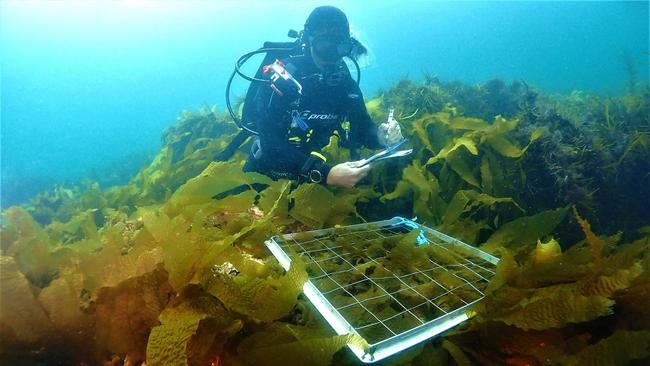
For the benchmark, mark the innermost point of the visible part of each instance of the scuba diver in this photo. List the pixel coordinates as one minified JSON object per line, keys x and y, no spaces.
{"x":311,"y":94}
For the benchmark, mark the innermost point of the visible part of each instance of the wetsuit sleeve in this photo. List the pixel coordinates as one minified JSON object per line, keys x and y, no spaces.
{"x":362,"y":129}
{"x":278,"y":155}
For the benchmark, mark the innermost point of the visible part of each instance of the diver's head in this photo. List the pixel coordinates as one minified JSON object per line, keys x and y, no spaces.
{"x":327,"y":35}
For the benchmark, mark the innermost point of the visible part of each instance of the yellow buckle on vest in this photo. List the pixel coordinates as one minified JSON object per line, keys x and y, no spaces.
{"x":319,"y":155}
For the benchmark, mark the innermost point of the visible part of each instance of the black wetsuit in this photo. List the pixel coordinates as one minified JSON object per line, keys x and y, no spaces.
{"x":289,"y":147}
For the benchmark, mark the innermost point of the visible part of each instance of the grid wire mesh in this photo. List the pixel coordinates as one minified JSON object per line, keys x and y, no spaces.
{"x":380,"y":294}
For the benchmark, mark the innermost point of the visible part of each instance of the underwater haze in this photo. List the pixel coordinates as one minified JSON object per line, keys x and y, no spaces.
{"x":128,"y":237}
{"x":89,"y":86}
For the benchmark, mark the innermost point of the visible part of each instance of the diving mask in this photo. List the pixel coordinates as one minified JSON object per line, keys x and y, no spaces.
{"x":330,"y":47}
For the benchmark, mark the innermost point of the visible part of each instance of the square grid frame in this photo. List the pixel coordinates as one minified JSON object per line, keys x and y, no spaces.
{"x":413,"y":316}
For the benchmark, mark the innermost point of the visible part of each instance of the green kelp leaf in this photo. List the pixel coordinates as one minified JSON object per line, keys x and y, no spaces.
{"x":183,"y":250}
{"x":253,"y":236}
{"x":62,"y":302}
{"x":463,"y":165}
{"x":467,"y":123}
{"x":152,"y":175}
{"x":20,"y":313}
{"x":456,"y":155}
{"x":188,"y":331}
{"x":496,"y":175}
{"x":425,"y":188}
{"x":547,"y":265}
{"x":504,"y":146}
{"x":607,"y":286}
{"x":401,"y":189}
{"x":125,"y":250}
{"x":126,"y":313}
{"x":234,"y":261}
{"x":134,"y":264}
{"x":283,"y":344}
{"x":507,"y":270}
{"x":335,"y":153}
{"x":217,"y":178}
{"x":312,"y":205}
{"x":465,"y":141}
{"x":156,"y":223}
{"x":262,"y":298}
{"x":123,"y":233}
{"x":271,"y":196}
{"x":466,"y":203}
{"x":191,"y":147}
{"x":620,"y":348}
{"x":21,"y":225}
{"x":30,"y":247}
{"x":534,"y":136}
{"x":554,"y":307}
{"x":501,"y":126}
{"x":224,"y":217}
{"x":344,"y":209}
{"x":172,"y":168}
{"x":167,"y":343}
{"x":35,"y":260}
{"x":274,"y":202}
{"x":80,"y":226}
{"x":419,"y":129}
{"x":93,"y":198}
{"x":8,"y":236}
{"x":314,"y":351}
{"x":447,"y":113}
{"x":495,"y":137}
{"x":428,"y":135}
{"x":525,"y":230}
{"x":467,"y":230}
{"x":406,"y":256}
{"x":487,"y":173}
{"x":537,"y":134}
{"x":626,"y":256}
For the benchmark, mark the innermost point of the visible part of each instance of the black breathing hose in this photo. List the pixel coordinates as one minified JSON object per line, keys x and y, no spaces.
{"x":237,"y":71}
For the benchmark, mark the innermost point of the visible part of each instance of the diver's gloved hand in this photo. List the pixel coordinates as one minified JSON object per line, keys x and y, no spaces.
{"x":389,"y":132}
{"x":347,"y":174}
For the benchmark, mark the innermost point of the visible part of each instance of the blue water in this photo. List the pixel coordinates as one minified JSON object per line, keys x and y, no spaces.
{"x":88,"y":87}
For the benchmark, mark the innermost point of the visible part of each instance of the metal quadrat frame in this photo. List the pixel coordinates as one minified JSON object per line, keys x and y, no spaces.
{"x":392,"y":310}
